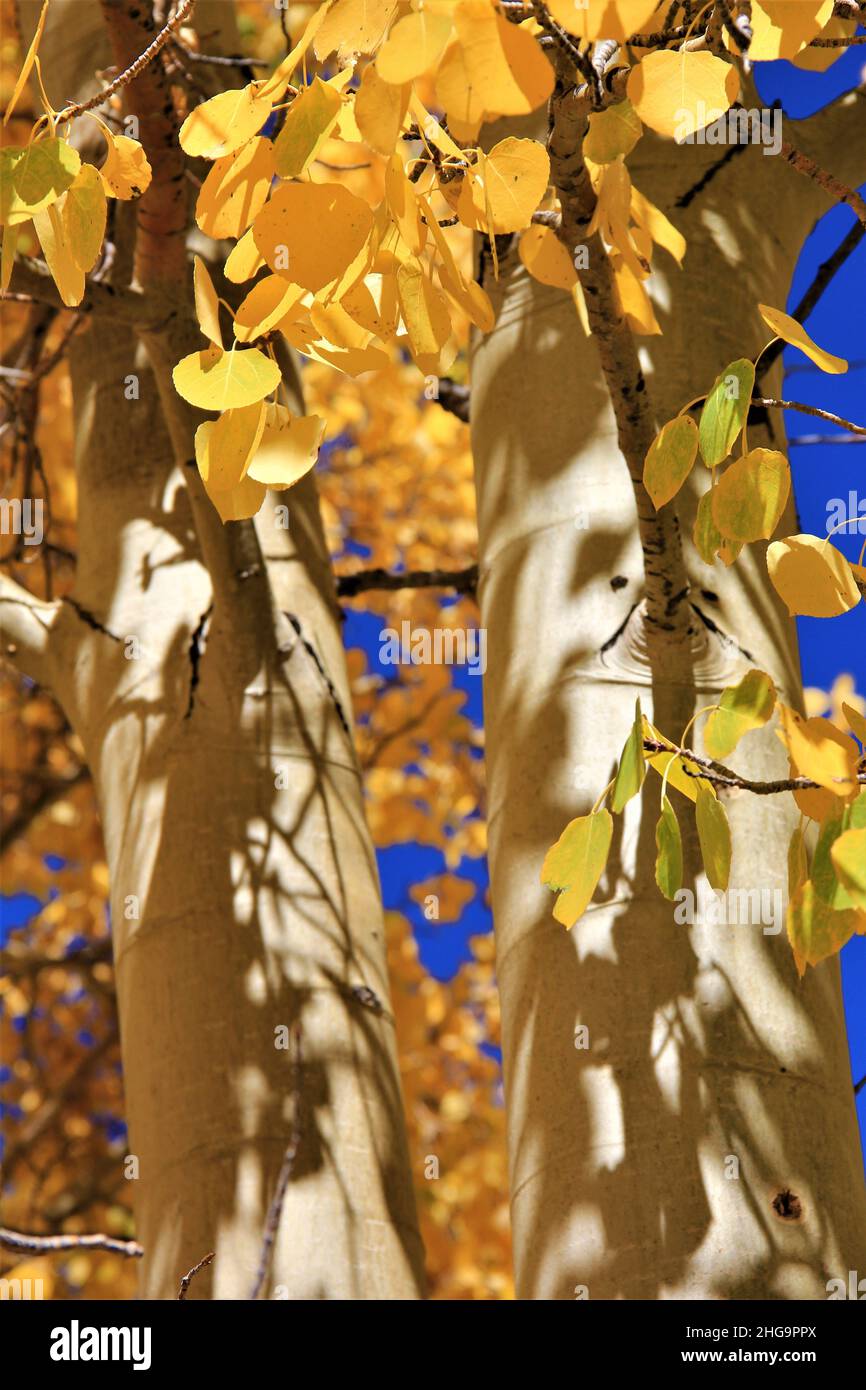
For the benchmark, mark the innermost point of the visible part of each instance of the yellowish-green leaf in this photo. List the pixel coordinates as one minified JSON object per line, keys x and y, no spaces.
{"x":677,"y":92}
{"x":794,"y":333}
{"x":216,"y":380}
{"x":669,"y":459}
{"x":225,"y":122}
{"x":27,"y":65}
{"x":747,"y":705}
{"x":725,"y":411}
{"x":288,"y":449}
{"x":714,"y":835}
{"x":632,"y":767}
{"x":669,"y":852}
{"x":235,"y":189}
{"x":34,"y":176}
{"x":576,"y":863}
{"x":849,"y":860}
{"x":670,"y":765}
{"x":85,"y":210}
{"x":812,"y":577}
{"x":224,"y":447}
{"x":750,"y":497}
{"x":310,"y":120}
{"x":612,"y":133}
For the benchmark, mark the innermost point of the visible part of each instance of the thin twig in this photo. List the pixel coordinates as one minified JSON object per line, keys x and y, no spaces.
{"x":191,"y":1273}
{"x":805,"y":165}
{"x":182,"y":13}
{"x":716,"y":772}
{"x":285,"y":1173}
{"x":809,"y":410}
{"x":45,"y":1245}
{"x":802,"y":439}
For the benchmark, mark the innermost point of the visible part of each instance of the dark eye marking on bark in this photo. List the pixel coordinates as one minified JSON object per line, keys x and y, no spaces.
{"x":787,"y":1206}
{"x":618,"y":582}
{"x":709,"y":596}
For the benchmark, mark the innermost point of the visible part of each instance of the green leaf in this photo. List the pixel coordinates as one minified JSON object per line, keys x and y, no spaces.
{"x":33,"y":178}
{"x":632,"y":767}
{"x":831,"y":885}
{"x":715,"y":838}
{"x":741,"y":707}
{"x":576,"y":863}
{"x":670,"y":458}
{"x":669,"y":857}
{"x":725,"y":411}
{"x":707,"y":536}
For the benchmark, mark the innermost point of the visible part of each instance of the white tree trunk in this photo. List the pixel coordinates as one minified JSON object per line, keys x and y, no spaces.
{"x":703,"y":1045}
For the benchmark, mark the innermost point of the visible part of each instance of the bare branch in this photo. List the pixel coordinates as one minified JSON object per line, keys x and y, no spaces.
{"x":464,"y":581}
{"x":810,"y":410}
{"x":717,"y":773}
{"x":833,"y":187}
{"x":34,"y":280}
{"x":181,"y":14}
{"x":191,"y":1273}
{"x":22,"y":1243}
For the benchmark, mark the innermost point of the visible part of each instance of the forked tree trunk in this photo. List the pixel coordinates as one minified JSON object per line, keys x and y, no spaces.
{"x":703,"y":1045}
{"x":244,"y":892}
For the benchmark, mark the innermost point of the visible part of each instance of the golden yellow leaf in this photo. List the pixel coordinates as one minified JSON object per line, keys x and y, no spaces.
{"x":602,"y":19}
{"x":820,"y":752}
{"x":225,"y":122}
{"x":414,"y":45}
{"x":612,"y":133}
{"x":354,"y":26}
{"x":751,"y":495}
{"x":493,"y":69}
{"x":634,"y":300}
{"x":819,"y":59}
{"x":288,"y":449}
{"x":216,"y":380}
{"x":677,"y":92}
{"x":310,"y":233}
{"x":67,"y":273}
{"x":276,"y":84}
{"x":373,"y":304}
{"x":310,"y":120}
{"x":662,"y":231}
{"x":85,"y":210}
{"x":433,"y":131}
{"x":812,"y":577}
{"x":794,"y":333}
{"x":403,"y":205}
{"x":670,"y":764}
{"x":380,"y":110}
{"x":27,"y":65}
{"x":207,"y":309}
{"x":244,"y":259}
{"x":264,"y":308}
{"x":224,"y":447}
{"x":815,"y":930}
{"x":546,"y":258}
{"x":856,"y":722}
{"x":425,"y":314}
{"x":239,"y":502}
{"x":780,"y":28}
{"x":126,"y":171}
{"x":501,"y":192}
{"x":235,"y":189}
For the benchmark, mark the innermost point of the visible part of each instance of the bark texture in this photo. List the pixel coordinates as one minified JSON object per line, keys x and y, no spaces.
{"x":213,"y":705}
{"x":703,"y":1044}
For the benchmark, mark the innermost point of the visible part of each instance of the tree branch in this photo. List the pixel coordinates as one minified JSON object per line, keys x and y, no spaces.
{"x":717,"y":773}
{"x":22,"y":1243}
{"x":191,"y":1273}
{"x":833,"y":187}
{"x":181,"y":15}
{"x":464,"y":581}
{"x":26,"y":625}
{"x":129,"y":306}
{"x":809,"y":410}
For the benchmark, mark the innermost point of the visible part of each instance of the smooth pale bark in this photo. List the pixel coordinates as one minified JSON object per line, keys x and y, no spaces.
{"x":244,"y":892}
{"x":703,"y":1045}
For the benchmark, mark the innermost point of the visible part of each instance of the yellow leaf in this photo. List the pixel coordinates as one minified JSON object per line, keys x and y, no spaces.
{"x":354,"y":26}
{"x":750,"y":497}
{"x":493,"y":69}
{"x":798,"y":863}
{"x":849,"y":860}
{"x":677,"y":93}
{"x":602,"y":19}
{"x":612,"y":133}
{"x":373,"y":304}
{"x":33,"y":177}
{"x":289,"y":448}
{"x":815,"y":930}
{"x":634,"y":300}
{"x":216,"y":380}
{"x":264,"y":308}
{"x":413,"y":46}
{"x":576,"y":863}
{"x":67,"y":273}
{"x":7,"y":258}
{"x":225,"y":122}
{"x":207,"y":309}
{"x":425,"y":314}
{"x":310,"y":233}
{"x":126,"y":172}
{"x":310,"y":120}
{"x":780,"y":28}
{"x":706,"y":535}
{"x":403,"y":205}
{"x":224,"y":447}
{"x":501,"y":192}
{"x":820,"y":752}
{"x":244,"y":260}
{"x":742,"y":707}
{"x":663,"y":232}
{"x":794,"y":333}
{"x":856,"y":722}
{"x":714,"y":835}
{"x":240,"y":502}
{"x":276,"y":84}
{"x":85,"y":210}
{"x":812,"y":577}
{"x":469,"y":295}
{"x":669,"y":459}
{"x":546,"y":258}
{"x":27,"y":65}
{"x":433,"y":131}
{"x":380,"y":110}
{"x":631,"y":769}
{"x":235,"y":189}
{"x":671,"y":764}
